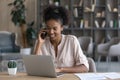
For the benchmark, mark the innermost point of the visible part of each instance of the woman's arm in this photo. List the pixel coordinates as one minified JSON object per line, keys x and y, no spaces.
{"x":38,"y":44}
{"x":76,"y":69}
{"x":37,"y":48}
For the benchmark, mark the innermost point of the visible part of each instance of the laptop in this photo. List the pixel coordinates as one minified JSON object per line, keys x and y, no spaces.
{"x":40,"y":65}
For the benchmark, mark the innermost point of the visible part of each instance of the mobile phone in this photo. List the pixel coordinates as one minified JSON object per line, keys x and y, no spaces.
{"x":43,"y":35}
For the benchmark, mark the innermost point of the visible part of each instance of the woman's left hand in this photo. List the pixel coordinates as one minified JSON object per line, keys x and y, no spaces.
{"x":58,"y":69}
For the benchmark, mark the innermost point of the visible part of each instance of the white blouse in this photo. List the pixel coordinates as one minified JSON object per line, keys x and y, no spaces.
{"x":69,"y":52}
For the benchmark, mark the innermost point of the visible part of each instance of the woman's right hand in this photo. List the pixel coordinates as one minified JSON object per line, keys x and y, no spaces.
{"x":39,"y":42}
{"x":41,"y":36}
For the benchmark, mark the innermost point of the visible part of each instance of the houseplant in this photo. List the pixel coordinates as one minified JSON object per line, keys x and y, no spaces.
{"x":30,"y":37}
{"x":12,"y":67}
{"x":31,"y":34}
{"x":19,"y":18}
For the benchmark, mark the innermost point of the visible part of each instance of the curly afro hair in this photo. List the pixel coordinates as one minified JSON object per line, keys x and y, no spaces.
{"x":57,"y":13}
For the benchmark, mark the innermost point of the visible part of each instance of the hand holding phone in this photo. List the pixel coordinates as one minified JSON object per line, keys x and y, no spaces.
{"x":43,"y":35}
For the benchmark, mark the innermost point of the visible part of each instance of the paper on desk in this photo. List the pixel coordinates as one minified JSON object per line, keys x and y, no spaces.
{"x":111,"y":75}
{"x":90,"y":76}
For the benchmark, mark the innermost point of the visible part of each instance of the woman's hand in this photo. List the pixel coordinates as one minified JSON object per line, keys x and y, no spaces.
{"x":58,"y":70}
{"x":75,"y":69}
{"x":42,"y":35}
{"x":39,"y":42}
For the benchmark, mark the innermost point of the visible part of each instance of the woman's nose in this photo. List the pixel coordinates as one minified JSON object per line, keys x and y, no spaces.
{"x":51,"y":31}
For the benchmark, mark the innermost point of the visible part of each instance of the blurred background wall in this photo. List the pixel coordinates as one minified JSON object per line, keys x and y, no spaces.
{"x":5,"y":17}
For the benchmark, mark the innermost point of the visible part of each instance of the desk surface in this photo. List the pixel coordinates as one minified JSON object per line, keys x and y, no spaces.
{"x":24,"y":76}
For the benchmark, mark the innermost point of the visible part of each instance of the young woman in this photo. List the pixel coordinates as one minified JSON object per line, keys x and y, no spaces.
{"x":65,"y":49}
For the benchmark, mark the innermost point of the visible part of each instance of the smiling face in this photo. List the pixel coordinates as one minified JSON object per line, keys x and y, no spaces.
{"x":54,"y":29}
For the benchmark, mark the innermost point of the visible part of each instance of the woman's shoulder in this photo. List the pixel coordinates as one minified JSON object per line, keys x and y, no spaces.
{"x":70,"y":37}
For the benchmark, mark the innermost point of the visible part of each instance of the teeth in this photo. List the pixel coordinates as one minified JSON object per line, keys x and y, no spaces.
{"x":51,"y":35}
